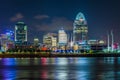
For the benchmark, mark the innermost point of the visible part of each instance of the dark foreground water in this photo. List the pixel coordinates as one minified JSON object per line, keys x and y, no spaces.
{"x":82,"y":68}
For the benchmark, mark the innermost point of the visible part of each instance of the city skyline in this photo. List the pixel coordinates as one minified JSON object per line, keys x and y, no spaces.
{"x":40,"y":15}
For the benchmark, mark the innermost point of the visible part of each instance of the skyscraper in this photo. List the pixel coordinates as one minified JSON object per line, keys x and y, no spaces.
{"x":80,"y":28}
{"x":62,"y":37}
{"x":20,"y":32}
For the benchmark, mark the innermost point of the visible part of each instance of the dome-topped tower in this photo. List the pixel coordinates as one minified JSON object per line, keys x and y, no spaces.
{"x":80,"y":16}
{"x":80,"y":28}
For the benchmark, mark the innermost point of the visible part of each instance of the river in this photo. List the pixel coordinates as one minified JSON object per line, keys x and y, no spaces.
{"x":72,"y":68}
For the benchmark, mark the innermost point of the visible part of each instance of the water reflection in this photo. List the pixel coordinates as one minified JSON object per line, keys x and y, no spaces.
{"x":83,"y":68}
{"x":6,"y":71}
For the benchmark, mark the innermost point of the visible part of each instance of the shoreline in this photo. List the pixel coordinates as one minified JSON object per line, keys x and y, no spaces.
{"x":37,"y":55}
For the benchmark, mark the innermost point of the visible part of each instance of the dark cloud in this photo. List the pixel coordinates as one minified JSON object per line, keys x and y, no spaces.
{"x":17,"y":17}
{"x":55,"y":24}
{"x":40,"y":17}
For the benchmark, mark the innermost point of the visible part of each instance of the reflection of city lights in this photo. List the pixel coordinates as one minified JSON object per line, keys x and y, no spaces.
{"x":62,"y":75}
{"x":62,"y":61}
{"x":81,"y":75}
{"x":8,"y":73}
{"x":9,"y":61}
{"x":44,"y":74}
{"x":83,"y":61}
{"x":43,"y":61}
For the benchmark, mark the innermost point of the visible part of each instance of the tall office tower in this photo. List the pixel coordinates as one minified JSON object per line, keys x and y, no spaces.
{"x":36,"y":41}
{"x":80,"y":28}
{"x":62,"y":37}
{"x":20,"y":32}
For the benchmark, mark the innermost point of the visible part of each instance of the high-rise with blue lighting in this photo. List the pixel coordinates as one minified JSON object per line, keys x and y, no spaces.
{"x":20,"y":33}
{"x":80,"y":28}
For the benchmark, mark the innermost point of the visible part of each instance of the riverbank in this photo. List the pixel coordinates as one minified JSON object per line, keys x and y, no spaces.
{"x":24,"y":55}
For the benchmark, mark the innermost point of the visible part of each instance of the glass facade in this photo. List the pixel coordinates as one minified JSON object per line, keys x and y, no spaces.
{"x":62,"y":37}
{"x":80,"y":29}
{"x":20,"y":32}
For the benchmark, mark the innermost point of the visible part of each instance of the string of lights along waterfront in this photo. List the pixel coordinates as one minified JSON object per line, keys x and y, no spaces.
{"x":75,"y":42}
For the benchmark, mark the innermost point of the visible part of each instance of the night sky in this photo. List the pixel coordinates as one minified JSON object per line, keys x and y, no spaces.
{"x":43,"y":16}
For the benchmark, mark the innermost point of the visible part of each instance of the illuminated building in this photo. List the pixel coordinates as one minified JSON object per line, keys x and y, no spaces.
{"x":80,"y":28}
{"x":97,"y":45}
{"x":20,"y":33}
{"x":50,"y":39}
{"x":62,"y":37}
{"x":54,"y":41}
{"x":6,"y":41}
{"x":3,"y":42}
{"x":36,"y":41}
{"x":92,"y":42}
